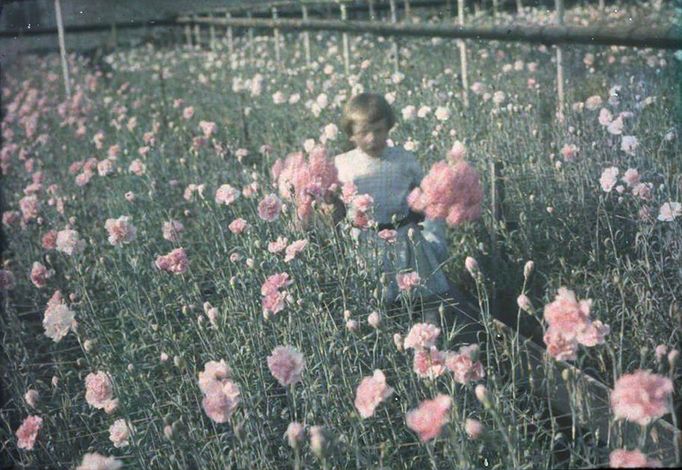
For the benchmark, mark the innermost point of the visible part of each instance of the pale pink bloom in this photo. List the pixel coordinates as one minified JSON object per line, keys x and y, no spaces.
{"x":471,"y":265}
{"x":214,"y":376}
{"x":226,"y":194}
{"x":388,"y":235}
{"x":286,"y":364}
{"x":119,"y":433}
{"x":120,"y":230}
{"x":105,"y":167}
{"x":174,"y":262}
{"x":669,"y":211}
{"x":374,"y":319}
{"x":409,"y":112}
{"x":473,"y":428}
{"x":188,"y":112}
{"x":172,"y":230}
{"x":481,"y":393}
{"x":40,"y":274}
{"x":352,"y":325}
{"x":269,"y":208}
{"x":643,"y":191}
{"x":130,"y":196}
{"x":348,"y":192}
{"x":661,"y":351}
{"x":371,"y":391}
{"x":566,"y":315}
{"x":631,"y":177}
{"x":442,"y":113}
{"x":407,"y":281}
{"x":191,"y":189}
{"x":457,"y":153}
{"x":464,"y":364}
{"x":31,"y":397}
{"x":137,"y":167}
{"x":569,"y":152}
{"x":238,"y":226}
{"x":605,"y":117}
{"x":235,"y":257}
{"x":143,"y":151}
{"x":429,"y":364}
{"x":10,"y":217}
{"x":113,"y":151}
{"x":629,"y":144}
{"x":593,"y":102}
{"x":331,"y":131}
{"x":295,"y":434}
{"x":208,"y":128}
{"x":68,"y":241}
{"x":560,"y":347}
{"x":641,"y":397}
{"x":609,"y":178}
{"x":58,"y":318}
{"x":615,"y":127}
{"x":28,"y":432}
{"x":593,"y":333}
{"x":275,"y":282}
{"x":83,"y":178}
{"x":273,"y":302}
{"x":294,"y":249}
{"x":524,"y":303}
{"x":95,"y":461}
{"x":220,"y":404}
{"x":621,"y":458}
{"x":450,"y":192}
{"x":421,"y":336}
{"x":98,"y":389}
{"x":428,"y":419}
{"x":278,"y":245}
{"x":317,"y":440}
{"x":30,"y":207}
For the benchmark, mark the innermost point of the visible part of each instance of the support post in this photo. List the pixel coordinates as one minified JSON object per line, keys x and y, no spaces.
{"x":496,"y":7}
{"x":248,"y":14}
{"x":602,"y":5}
{"x":275,"y":35}
{"x":188,"y":35}
{"x":211,"y":33}
{"x":559,"y":4}
{"x":62,"y":48}
{"x":197,"y":34}
{"x":519,"y":7}
{"x":463,"y":55}
{"x":372,"y":12}
{"x":114,"y":36}
{"x":408,"y":10}
{"x":306,"y":36}
{"x":230,"y":42}
{"x":396,"y":48}
{"x":346,"y":51}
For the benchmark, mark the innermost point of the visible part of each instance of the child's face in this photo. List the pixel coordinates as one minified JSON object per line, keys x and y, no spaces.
{"x":370,"y":137}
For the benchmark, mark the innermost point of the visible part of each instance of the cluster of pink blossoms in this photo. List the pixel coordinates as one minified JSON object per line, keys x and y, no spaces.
{"x":286,"y":364}
{"x":622,"y":458}
{"x":305,"y":181}
{"x":40,"y":274}
{"x":28,"y":432}
{"x":58,"y":319}
{"x":68,"y":241}
{"x":428,"y":419}
{"x":641,"y":397}
{"x":221,"y":394}
{"x":273,"y":297}
{"x":120,"y":230}
{"x":569,"y":325}
{"x":451,"y":191}
{"x":371,"y":391}
{"x":99,"y":392}
{"x":174,"y":262}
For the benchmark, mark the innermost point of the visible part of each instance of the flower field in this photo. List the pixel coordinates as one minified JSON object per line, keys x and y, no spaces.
{"x":169,"y":303}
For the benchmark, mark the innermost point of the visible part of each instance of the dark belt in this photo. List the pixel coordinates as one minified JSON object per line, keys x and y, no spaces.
{"x":412,"y":217}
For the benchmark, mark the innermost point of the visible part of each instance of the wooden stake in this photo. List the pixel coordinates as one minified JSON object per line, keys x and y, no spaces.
{"x":197,"y":35}
{"x":496,"y":7}
{"x":211,"y":34}
{"x":188,"y":35}
{"x":372,"y":13}
{"x":248,"y":14}
{"x":346,"y":51}
{"x":396,"y":48}
{"x":114,"y":36}
{"x":559,"y":4}
{"x":275,"y":32}
{"x":62,"y":48}
{"x":463,"y":56}
{"x":408,"y":10}
{"x":519,"y":7}
{"x":230,"y":42}
{"x":306,"y":36}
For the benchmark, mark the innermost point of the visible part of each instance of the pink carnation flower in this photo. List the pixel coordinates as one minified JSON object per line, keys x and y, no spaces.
{"x":7,"y":280}
{"x":566,"y":314}
{"x":68,"y":241}
{"x":559,"y":346}
{"x":40,"y":274}
{"x":226,"y":195}
{"x":609,"y":178}
{"x":99,"y":391}
{"x":429,"y":364}
{"x":28,"y":432}
{"x":58,"y":319}
{"x":174,"y":262}
{"x":219,"y":405}
{"x":464,"y":365}
{"x":120,"y":230}
{"x":172,"y":230}
{"x":621,"y":458}
{"x":49,"y":240}
{"x":371,"y":391}
{"x":278,"y":245}
{"x":407,"y":281}
{"x":631,"y":177}
{"x":238,"y":226}
{"x":137,"y":167}
{"x":286,"y":364}
{"x":95,"y":461}
{"x":473,"y":428}
{"x":30,"y":207}
{"x":273,"y":302}
{"x":641,"y":397}
{"x":214,"y":375}
{"x":269,"y":208}
{"x":294,"y":249}
{"x":428,"y":419}
{"x":275,"y":282}
{"x":421,"y":336}
{"x":208,"y":128}
{"x":388,"y":235}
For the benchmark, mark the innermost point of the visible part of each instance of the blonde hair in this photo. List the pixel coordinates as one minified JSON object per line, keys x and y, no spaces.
{"x":366,"y":107}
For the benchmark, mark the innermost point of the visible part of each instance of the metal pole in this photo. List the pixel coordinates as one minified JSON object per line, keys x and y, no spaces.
{"x":559,"y":4}
{"x":211,"y":34}
{"x":463,"y":56}
{"x":306,"y":36}
{"x":275,"y":33}
{"x":346,"y":52}
{"x":197,"y":35}
{"x":230,"y":42}
{"x":396,"y":50}
{"x":188,"y":35}
{"x":62,"y":48}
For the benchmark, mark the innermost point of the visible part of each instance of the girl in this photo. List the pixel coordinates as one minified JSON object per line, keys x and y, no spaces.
{"x":388,"y":174}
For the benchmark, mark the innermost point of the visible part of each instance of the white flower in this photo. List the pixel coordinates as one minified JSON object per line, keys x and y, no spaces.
{"x":628,"y":144}
{"x":119,"y":433}
{"x":669,"y":211}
